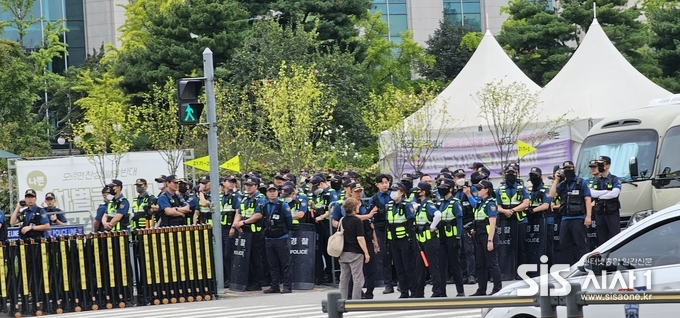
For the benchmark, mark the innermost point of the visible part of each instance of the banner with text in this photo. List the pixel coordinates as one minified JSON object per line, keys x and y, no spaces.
{"x":77,"y":184}
{"x":461,"y":151}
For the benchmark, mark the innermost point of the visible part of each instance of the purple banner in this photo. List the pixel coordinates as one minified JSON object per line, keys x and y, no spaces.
{"x":458,"y":154}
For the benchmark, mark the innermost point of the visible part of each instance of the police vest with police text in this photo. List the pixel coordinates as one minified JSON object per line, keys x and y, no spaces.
{"x":422,"y":223}
{"x":112,"y":210}
{"x":509,"y":203}
{"x":397,"y":222}
{"x":275,"y":226}
{"x":605,"y":205}
{"x":248,"y":210}
{"x":481,"y":218}
{"x":139,"y":215}
{"x":448,"y":226}
{"x":574,"y":204}
{"x":227,"y":211}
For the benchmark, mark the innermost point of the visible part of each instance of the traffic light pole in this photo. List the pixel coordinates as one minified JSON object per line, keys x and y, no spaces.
{"x":208,"y":73}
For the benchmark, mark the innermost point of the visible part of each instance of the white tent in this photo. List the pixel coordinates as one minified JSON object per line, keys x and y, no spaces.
{"x":489,"y":63}
{"x":597,"y":81}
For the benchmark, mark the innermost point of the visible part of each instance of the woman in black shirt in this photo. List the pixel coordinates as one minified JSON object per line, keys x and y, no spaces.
{"x":354,"y":252}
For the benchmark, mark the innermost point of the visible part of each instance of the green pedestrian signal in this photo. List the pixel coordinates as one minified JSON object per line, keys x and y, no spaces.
{"x":190,"y":110}
{"x":189,"y":114}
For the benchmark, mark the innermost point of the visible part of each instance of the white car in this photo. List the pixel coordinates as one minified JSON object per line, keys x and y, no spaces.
{"x":648,"y":248}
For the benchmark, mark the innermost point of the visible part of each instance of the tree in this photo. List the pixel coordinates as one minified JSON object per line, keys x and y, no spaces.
{"x":664,"y":20}
{"x":408,"y":143}
{"x":21,"y":11}
{"x":621,"y":22}
{"x":20,"y":134}
{"x":386,"y":62}
{"x":298,"y":113}
{"x":108,"y":127}
{"x":134,"y":32}
{"x":511,"y":109}
{"x":445,"y":44}
{"x":158,"y":123}
{"x":177,"y":38}
{"x":333,"y":20}
{"x":471,"y":40}
{"x":537,"y":39}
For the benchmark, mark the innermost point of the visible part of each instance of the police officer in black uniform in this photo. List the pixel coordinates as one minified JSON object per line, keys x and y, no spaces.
{"x":249,"y":219}
{"x":401,"y":234}
{"x":173,"y":210}
{"x":450,"y":235}
{"x":575,"y":209}
{"x":230,"y":203}
{"x":607,"y":207}
{"x":141,"y":206}
{"x":486,"y":240}
{"x":118,"y":217}
{"x":278,"y":223}
{"x":383,"y":257}
{"x":466,"y":195}
{"x":33,"y":218}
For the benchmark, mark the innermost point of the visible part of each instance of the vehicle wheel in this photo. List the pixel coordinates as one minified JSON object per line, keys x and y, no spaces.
{"x":523,"y":316}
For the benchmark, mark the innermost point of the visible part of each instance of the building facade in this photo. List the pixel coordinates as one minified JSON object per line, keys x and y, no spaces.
{"x":51,"y":11}
{"x":423,"y":16}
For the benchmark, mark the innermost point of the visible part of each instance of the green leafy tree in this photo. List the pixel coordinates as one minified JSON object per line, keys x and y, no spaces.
{"x":23,"y":18}
{"x":471,"y":40}
{"x":298,"y":113}
{"x":177,"y":38}
{"x":621,"y":22}
{"x":406,"y":143}
{"x":159,"y":124}
{"x":510,"y":109}
{"x":664,"y":20}
{"x":108,"y":127}
{"x":135,"y":29}
{"x":386,"y":62}
{"x":445,"y":44}
{"x":537,"y":39}
{"x":333,"y":20}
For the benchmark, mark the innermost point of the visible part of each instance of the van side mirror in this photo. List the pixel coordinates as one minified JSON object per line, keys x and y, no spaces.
{"x":633,"y":168}
{"x":593,"y":263}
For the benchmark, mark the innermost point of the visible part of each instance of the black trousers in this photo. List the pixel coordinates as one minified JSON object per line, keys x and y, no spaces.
{"x":487,"y":263}
{"x":608,"y":225}
{"x":257,"y":259}
{"x":278,"y":256}
{"x":323,"y":260}
{"x":431,"y":249}
{"x":227,"y":252}
{"x":384,"y":259}
{"x":405,"y":264}
{"x":449,"y":249}
{"x":573,"y":240}
{"x":521,"y":243}
{"x":469,"y":268}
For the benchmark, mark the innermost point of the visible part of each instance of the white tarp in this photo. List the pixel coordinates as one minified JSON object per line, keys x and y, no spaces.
{"x":77,"y":185}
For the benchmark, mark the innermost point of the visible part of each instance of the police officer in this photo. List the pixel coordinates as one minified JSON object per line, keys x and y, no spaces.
{"x":467,"y":198}
{"x":230,"y":202}
{"x":33,"y":218}
{"x":173,"y":210}
{"x":204,"y":201}
{"x":575,"y":210}
{"x":298,"y":204}
{"x":450,"y":235}
{"x":427,"y":218}
{"x":513,"y":199}
{"x":249,"y":219}
{"x":607,"y":206}
{"x":539,"y":210}
{"x":185,"y":194}
{"x":278,"y":223}
{"x":141,"y":206}
{"x":380,"y":200}
{"x":400,"y":234}
{"x":486,"y":240}
{"x":324,"y":195}
{"x":117,"y":217}
{"x":58,"y":217}
{"x":102,"y":209}
{"x":279,"y":180}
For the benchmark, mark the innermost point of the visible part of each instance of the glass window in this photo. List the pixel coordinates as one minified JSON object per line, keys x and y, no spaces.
{"x":669,"y":160}
{"x":656,"y":247}
{"x":382,"y":8}
{"x":474,"y":21}
{"x":471,"y":8}
{"x":620,"y":146}
{"x":53,"y":10}
{"x":451,"y":8}
{"x":397,"y":9}
{"x":398,"y":24}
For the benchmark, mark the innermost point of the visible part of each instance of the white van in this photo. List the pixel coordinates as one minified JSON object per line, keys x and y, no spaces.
{"x":650,"y":246}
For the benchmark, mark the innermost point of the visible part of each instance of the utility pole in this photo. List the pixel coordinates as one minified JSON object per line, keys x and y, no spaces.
{"x":209,"y":74}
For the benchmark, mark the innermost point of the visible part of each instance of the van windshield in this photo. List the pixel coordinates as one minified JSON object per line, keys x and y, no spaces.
{"x":669,"y":159}
{"x":620,"y":146}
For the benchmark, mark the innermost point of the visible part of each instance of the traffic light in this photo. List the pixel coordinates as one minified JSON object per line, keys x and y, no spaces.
{"x":190,"y":109}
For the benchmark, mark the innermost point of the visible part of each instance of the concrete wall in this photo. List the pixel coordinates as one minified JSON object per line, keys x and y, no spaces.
{"x":102,"y":20}
{"x":424,"y":17}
